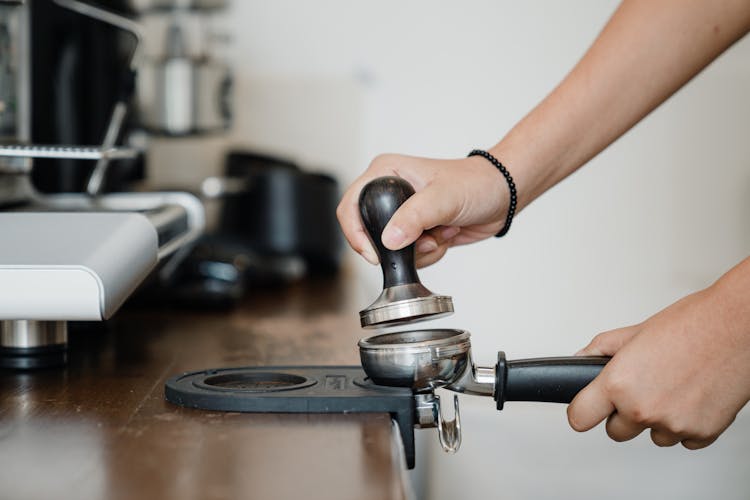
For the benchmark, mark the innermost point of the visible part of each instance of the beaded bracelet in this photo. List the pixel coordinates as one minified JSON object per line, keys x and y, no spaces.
{"x":511,"y":185}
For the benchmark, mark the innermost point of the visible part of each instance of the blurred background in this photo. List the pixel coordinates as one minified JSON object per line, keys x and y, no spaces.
{"x":327,"y":85}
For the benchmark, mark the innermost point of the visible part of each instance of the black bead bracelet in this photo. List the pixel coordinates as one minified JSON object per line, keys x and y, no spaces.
{"x":511,"y":185}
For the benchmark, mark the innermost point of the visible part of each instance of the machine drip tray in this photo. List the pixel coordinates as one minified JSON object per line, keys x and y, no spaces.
{"x":295,"y":389}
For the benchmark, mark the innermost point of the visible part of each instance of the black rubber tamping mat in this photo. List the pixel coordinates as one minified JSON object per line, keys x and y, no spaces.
{"x":295,"y":389}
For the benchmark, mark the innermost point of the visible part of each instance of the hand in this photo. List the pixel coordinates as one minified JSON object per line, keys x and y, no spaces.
{"x":684,"y":373}
{"x":456,"y":202}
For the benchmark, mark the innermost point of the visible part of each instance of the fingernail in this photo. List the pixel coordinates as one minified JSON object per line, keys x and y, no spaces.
{"x":450,"y":232}
{"x":426,"y":246}
{"x":582,"y":352}
{"x":393,"y":237}
{"x":370,"y":257}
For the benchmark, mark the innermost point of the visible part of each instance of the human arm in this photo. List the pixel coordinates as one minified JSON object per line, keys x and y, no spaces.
{"x":648,"y":50}
{"x":684,"y":372}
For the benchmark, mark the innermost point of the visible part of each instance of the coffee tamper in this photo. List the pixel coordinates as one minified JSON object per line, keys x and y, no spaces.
{"x":404,"y":299}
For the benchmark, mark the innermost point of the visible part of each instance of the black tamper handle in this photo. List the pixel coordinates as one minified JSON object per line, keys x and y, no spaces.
{"x":378,"y":201}
{"x":551,"y":380}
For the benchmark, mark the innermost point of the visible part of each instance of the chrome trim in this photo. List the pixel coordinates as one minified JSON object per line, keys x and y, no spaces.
{"x":64,"y":152}
{"x":476,"y":380}
{"x":96,"y":179}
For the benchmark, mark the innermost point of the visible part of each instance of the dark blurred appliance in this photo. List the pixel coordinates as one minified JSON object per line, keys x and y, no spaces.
{"x":80,"y":68}
{"x":283,"y":210}
{"x":276,"y":223}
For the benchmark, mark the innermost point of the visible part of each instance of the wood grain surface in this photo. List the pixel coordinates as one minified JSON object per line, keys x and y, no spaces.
{"x":100,"y":428}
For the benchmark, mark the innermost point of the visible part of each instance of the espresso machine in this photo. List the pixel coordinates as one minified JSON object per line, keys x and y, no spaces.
{"x":72,"y":249}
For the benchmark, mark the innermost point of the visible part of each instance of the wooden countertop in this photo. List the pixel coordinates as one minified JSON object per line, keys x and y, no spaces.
{"x":100,"y":428}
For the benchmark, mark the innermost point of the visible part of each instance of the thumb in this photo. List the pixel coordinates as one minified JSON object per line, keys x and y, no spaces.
{"x":424,"y":210}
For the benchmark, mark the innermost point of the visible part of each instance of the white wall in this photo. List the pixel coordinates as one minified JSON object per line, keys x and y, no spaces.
{"x":661,"y":213}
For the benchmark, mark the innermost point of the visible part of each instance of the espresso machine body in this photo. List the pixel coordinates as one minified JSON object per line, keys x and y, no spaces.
{"x":71,"y":254}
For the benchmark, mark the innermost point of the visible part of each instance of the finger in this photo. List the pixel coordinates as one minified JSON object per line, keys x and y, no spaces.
{"x":426,"y":244}
{"x":432,"y":239}
{"x":697,"y":444}
{"x":608,"y":343}
{"x":589,"y":407}
{"x":424,"y":210}
{"x":664,"y":438}
{"x":447,"y":233}
{"x":432,"y":257}
{"x":694,"y":441}
{"x":350,"y":221}
{"x":621,"y":429}
{"x":361,"y":244}
{"x":354,"y":232}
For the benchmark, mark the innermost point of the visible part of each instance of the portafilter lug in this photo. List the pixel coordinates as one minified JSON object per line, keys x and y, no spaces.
{"x":404,"y":298}
{"x":427,"y":409}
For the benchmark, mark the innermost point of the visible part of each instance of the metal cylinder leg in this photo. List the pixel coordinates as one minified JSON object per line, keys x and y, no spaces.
{"x":29,"y":344}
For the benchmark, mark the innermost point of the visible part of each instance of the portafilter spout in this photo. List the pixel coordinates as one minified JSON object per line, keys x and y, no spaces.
{"x":425,"y":360}
{"x":404,"y":298}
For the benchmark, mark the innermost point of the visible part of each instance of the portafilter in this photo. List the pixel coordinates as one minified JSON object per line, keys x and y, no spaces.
{"x":425,"y":360}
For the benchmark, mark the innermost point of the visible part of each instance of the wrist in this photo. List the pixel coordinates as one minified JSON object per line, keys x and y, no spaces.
{"x":492,"y":187}
{"x":512,"y":193}
{"x":518,"y":166}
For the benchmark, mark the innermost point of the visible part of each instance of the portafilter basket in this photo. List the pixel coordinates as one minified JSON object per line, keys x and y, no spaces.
{"x":425,"y":360}
{"x":422,"y":360}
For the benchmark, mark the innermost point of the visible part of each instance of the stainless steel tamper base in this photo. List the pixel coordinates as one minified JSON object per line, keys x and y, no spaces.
{"x":403,"y":304}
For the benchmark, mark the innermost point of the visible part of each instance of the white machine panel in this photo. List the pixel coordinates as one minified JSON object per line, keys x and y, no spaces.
{"x":72,"y":266}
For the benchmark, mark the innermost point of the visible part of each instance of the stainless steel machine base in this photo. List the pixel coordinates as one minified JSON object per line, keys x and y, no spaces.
{"x":28,"y":344}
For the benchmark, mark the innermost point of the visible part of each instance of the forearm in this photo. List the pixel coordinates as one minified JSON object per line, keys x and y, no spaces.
{"x":646,"y":52}
{"x":732,"y":292}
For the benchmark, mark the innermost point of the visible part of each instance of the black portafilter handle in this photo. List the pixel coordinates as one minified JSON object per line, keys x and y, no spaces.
{"x":378,"y":201}
{"x":551,"y":380}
